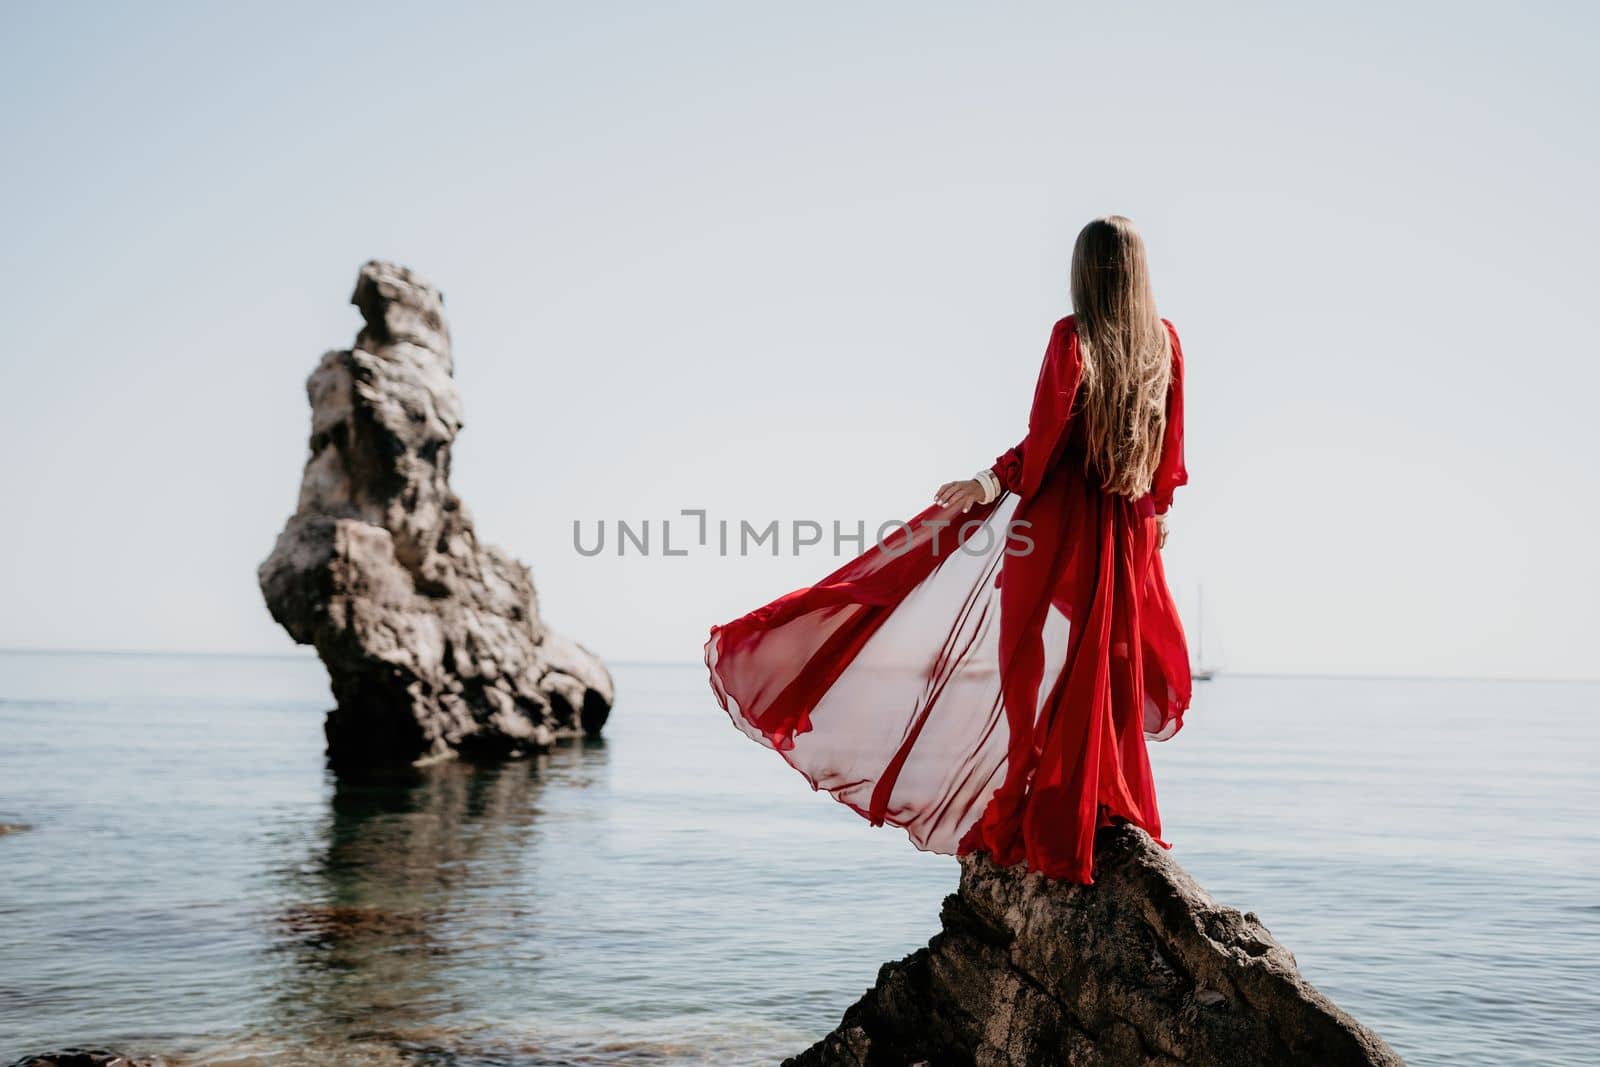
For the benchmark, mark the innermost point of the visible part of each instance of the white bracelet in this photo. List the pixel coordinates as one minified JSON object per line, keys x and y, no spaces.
{"x":990,"y":484}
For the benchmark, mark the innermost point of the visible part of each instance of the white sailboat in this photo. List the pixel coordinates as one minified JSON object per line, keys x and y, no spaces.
{"x":1199,"y":670}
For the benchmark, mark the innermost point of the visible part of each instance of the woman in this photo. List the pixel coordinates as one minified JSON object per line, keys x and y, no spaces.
{"x":986,"y":677}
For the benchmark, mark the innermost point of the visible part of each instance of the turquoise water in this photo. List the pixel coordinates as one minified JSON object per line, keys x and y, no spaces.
{"x":194,"y":883}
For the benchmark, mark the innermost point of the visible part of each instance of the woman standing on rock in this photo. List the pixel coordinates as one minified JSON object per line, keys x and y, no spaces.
{"x":986,"y":677}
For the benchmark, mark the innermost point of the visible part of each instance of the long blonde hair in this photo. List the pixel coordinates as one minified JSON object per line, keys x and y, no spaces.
{"x":1123,"y":345}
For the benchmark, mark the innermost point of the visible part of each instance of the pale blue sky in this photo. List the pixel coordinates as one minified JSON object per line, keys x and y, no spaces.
{"x":801,"y":262}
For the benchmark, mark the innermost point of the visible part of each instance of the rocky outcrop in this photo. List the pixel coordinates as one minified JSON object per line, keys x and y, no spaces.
{"x":432,"y":640}
{"x":84,"y":1057}
{"x":1142,"y":967}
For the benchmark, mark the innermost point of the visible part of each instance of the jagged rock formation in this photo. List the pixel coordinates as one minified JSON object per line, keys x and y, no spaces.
{"x":1142,"y":967}
{"x":432,"y":640}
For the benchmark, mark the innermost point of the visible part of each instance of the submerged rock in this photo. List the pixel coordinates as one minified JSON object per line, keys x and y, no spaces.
{"x":433,"y":641}
{"x":84,"y":1057}
{"x":1142,"y":967}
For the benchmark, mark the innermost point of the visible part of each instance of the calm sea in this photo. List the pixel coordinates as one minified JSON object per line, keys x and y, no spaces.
{"x":194,"y":883}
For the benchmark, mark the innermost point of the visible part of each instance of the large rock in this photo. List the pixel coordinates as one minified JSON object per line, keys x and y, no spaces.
{"x":1142,"y":967}
{"x":433,"y":641}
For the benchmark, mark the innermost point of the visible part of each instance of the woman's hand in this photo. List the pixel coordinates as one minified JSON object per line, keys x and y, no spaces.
{"x":1161,"y":531}
{"x":960,"y":494}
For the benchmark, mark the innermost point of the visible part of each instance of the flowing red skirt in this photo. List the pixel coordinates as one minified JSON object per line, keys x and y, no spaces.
{"x":984,"y":680}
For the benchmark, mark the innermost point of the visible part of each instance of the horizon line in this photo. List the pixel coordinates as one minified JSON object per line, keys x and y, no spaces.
{"x":1323,"y":675}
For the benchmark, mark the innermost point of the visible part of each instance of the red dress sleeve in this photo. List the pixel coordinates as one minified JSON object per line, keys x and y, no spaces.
{"x":1021,"y":469}
{"x":1170,"y":471}
{"x":1008,"y":468}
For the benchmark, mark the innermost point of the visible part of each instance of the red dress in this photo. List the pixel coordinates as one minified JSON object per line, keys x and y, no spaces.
{"x":986,"y":680}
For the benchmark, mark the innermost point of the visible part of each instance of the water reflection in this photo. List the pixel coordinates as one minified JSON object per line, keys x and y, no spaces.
{"x":415,"y":889}
{"x":194,"y":885}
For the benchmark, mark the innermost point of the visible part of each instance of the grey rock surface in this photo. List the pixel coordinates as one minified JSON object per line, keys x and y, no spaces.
{"x":1142,"y":967}
{"x":85,"y":1057}
{"x":433,"y":641}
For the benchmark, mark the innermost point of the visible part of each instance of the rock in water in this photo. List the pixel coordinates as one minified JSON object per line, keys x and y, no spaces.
{"x":84,"y":1057}
{"x":1142,"y":967}
{"x":433,"y":641}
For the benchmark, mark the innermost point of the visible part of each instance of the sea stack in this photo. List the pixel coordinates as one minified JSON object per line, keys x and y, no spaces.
{"x":1142,"y":967}
{"x":433,"y":641}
